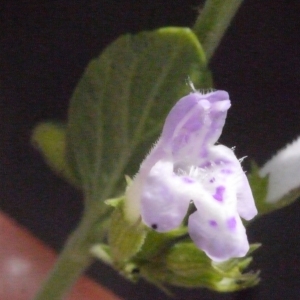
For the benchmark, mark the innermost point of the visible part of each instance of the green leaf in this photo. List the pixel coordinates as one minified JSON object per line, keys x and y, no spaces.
{"x":186,"y":259}
{"x":242,"y":282}
{"x":259,"y":188}
{"x":125,"y":239}
{"x":190,"y":267}
{"x":156,"y":243}
{"x":50,"y":139}
{"x":119,"y":105}
{"x":102,"y":252}
{"x":184,"y":265}
{"x":233,"y":266}
{"x":114,"y":202}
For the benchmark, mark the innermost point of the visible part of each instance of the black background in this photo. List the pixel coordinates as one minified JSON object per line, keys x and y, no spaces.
{"x":45,"y":46}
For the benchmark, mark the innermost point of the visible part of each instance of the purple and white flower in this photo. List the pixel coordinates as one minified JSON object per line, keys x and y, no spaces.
{"x":185,"y":165}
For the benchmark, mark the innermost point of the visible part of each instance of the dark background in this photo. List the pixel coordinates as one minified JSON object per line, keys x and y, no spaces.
{"x":45,"y":46}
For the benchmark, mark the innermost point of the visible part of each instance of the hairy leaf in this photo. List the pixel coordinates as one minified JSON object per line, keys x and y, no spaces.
{"x":119,"y":105}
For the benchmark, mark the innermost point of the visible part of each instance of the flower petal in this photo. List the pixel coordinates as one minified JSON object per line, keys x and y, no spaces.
{"x":185,"y":165}
{"x":245,"y":201}
{"x":283,"y":171}
{"x":134,"y":189}
{"x":220,"y":236}
{"x":195,"y":122}
{"x":225,"y":170}
{"x":164,"y":198}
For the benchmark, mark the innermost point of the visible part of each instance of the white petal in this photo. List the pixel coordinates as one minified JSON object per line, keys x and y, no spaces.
{"x":284,"y":172}
{"x":221,"y":237}
{"x":164,"y":198}
{"x":245,"y":201}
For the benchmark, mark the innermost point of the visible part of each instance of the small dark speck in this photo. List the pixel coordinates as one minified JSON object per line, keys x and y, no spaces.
{"x":135,"y":271}
{"x":154,"y":226}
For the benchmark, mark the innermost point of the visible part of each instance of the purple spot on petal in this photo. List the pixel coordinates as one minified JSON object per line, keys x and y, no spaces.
{"x":226,"y":171}
{"x":231,"y":223}
{"x":213,"y":223}
{"x":221,"y":162}
{"x":218,"y":162}
{"x":188,"y":179}
{"x":203,"y":153}
{"x":212,"y":180}
{"x":219,"y":193}
{"x":205,"y":165}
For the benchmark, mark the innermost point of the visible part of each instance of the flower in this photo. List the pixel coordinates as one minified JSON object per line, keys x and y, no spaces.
{"x":283,"y":172}
{"x":185,"y":165}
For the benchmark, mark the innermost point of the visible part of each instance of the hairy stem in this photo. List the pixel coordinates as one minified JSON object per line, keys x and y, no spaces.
{"x":213,"y":21}
{"x":73,"y":260}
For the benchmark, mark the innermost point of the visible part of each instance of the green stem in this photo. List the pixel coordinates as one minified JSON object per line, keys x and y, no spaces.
{"x":73,"y":260}
{"x":213,"y":21}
